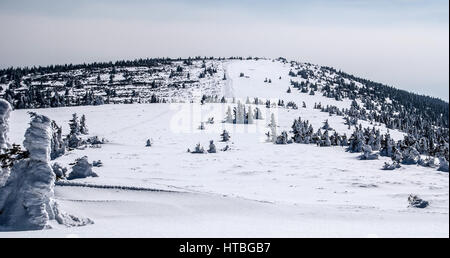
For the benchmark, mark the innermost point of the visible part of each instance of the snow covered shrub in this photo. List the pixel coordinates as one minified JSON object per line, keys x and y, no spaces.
{"x":26,"y":200}
{"x":94,"y":140}
{"x":443,"y":164}
{"x":97,"y":163}
{"x":326,"y":126}
{"x":325,"y":140}
{"x":367,"y":153}
{"x":302,"y":131}
{"x":74,"y":141}
{"x":391,"y":166}
{"x":416,"y":202}
{"x":387,"y":145}
{"x":282,"y":139}
{"x":292,"y":105}
{"x":428,"y":162}
{"x":397,"y":156}
{"x":81,"y":169}
{"x":226,"y":148}
{"x":212,"y":147}
{"x":60,"y":171}
{"x":198,"y":150}
{"x":410,"y":156}
{"x":225,"y":136}
{"x":356,"y":141}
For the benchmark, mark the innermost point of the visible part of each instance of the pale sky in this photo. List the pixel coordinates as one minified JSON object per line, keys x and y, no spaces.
{"x":402,"y":43}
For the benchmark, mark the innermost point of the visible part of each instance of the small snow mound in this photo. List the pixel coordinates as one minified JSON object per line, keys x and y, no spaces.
{"x":416,"y":202}
{"x":68,"y":219}
{"x":82,"y":169}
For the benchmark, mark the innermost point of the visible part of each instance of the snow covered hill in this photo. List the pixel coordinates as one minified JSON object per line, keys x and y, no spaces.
{"x":253,"y":189}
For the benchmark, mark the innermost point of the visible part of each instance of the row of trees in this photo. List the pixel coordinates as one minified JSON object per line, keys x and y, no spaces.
{"x":408,"y":151}
{"x":424,"y":119}
{"x":242,"y":114}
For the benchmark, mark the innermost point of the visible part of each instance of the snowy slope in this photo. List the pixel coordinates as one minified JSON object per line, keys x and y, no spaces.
{"x":255,"y":189}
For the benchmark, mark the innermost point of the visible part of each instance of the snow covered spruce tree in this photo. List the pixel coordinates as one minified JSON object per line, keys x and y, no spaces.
{"x":242,"y":114}
{"x":387,"y":145}
{"x":26,"y":200}
{"x":325,"y":140}
{"x":258,"y":114}
{"x":326,"y":125}
{"x":73,"y":138}
{"x":5,"y":110}
{"x":225,"y":136}
{"x":302,"y":131}
{"x":250,"y":116}
{"x":212,"y":147}
{"x":83,"y":126}
{"x":58,"y":145}
{"x":198,"y":150}
{"x":239,"y":113}
{"x":273,"y":129}
{"x":356,"y":141}
{"x":229,"y":116}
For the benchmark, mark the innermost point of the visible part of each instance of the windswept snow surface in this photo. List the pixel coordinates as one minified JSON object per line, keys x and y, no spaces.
{"x":256,"y":189}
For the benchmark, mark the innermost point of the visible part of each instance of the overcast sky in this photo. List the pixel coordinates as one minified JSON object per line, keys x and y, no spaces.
{"x":403,"y":43}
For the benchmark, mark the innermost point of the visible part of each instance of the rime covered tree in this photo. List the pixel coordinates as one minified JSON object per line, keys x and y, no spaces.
{"x":212,"y":147}
{"x":58,"y":145}
{"x":26,"y":200}
{"x":83,"y":125}
{"x":225,"y":136}
{"x":5,"y":110}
